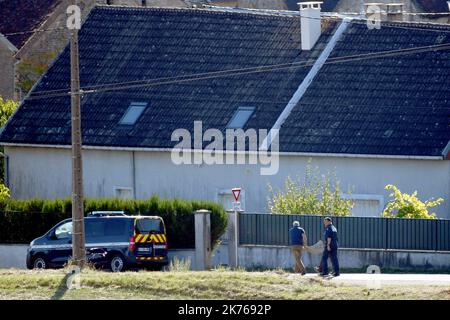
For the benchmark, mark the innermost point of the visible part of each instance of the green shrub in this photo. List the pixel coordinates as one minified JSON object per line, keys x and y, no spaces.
{"x":403,"y":205}
{"x":4,"y":194}
{"x":7,"y":108}
{"x":23,"y":220}
{"x":315,"y":194}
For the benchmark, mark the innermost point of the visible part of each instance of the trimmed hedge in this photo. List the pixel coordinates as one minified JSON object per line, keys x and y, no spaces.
{"x":23,"y":220}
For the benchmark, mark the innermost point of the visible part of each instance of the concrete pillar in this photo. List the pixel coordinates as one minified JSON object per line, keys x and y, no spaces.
{"x":233,"y":238}
{"x":202,"y":240}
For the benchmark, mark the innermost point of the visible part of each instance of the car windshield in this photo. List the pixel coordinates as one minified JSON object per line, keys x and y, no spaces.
{"x":64,"y":231}
{"x":149,"y":225}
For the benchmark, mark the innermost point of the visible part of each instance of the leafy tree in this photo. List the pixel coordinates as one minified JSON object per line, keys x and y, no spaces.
{"x":7,"y":107}
{"x":4,"y":193}
{"x":31,"y":69}
{"x":403,"y":205}
{"x":316,"y":194}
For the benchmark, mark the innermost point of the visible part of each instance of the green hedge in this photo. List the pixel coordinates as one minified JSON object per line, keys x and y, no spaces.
{"x":23,"y":220}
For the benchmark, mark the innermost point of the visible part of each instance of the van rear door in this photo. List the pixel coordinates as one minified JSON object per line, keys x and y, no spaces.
{"x":150,"y":239}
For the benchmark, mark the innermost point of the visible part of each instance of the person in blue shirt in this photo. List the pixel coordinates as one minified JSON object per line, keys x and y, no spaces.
{"x":331,"y":248}
{"x":297,"y":239}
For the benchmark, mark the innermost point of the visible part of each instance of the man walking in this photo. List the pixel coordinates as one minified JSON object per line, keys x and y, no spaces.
{"x":331,"y":248}
{"x":297,"y":238}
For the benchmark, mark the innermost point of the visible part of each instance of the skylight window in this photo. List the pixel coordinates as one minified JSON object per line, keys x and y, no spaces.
{"x":240,"y":117}
{"x":133,"y":113}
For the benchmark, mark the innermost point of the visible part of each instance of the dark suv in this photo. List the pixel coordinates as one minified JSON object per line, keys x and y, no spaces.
{"x":115,"y":241}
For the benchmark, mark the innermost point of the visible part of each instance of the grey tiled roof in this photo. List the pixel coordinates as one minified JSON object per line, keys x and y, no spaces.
{"x":20,"y":17}
{"x":393,"y":106}
{"x":387,"y":106}
{"x":127,"y":44}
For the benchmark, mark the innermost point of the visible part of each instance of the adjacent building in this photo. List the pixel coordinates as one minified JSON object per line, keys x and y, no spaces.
{"x":435,"y":11}
{"x":33,"y":32}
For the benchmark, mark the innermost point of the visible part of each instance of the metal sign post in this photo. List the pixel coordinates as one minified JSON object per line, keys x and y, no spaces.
{"x":233,"y":230}
{"x":236,"y":194}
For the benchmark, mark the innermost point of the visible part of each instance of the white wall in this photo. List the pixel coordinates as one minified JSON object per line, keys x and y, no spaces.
{"x":14,"y":256}
{"x":45,"y":172}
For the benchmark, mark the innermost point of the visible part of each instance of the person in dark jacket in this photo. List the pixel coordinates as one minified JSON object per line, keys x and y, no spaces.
{"x":297,"y":239}
{"x":331,"y":248}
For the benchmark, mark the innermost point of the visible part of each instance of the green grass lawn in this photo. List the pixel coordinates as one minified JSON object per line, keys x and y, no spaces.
{"x":216,"y":284}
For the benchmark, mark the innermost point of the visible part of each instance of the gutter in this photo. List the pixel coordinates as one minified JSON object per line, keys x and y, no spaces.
{"x":283,"y":154}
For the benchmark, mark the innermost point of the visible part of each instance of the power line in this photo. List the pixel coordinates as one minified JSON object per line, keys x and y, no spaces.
{"x":234,"y":72}
{"x":205,"y":96}
{"x":260,"y":68}
{"x":33,"y":31}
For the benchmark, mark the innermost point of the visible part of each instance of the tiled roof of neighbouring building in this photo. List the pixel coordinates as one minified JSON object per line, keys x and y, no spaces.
{"x":385,"y":106}
{"x":21,"y":16}
{"x":433,"y":6}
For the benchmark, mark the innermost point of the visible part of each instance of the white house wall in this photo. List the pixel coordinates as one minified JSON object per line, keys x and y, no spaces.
{"x":45,"y":172}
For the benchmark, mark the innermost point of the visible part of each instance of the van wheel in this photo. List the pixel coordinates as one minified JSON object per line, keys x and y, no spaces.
{"x":117,"y":263}
{"x":40,"y":263}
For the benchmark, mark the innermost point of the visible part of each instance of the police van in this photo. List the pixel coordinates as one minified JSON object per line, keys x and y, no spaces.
{"x":113,"y":240}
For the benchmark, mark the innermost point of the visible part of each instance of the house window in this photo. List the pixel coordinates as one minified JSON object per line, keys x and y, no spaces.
{"x":133,"y":113}
{"x":240,"y":117}
{"x":144,"y":3}
{"x":123,"y":192}
{"x":366,"y":205}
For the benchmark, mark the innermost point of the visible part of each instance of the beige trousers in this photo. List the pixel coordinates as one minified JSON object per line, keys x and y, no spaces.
{"x":297,"y":252}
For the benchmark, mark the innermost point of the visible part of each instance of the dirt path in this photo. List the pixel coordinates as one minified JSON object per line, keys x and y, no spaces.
{"x":390,"y":279}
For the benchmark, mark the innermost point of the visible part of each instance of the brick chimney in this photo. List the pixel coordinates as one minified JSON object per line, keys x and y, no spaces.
{"x":310,"y":23}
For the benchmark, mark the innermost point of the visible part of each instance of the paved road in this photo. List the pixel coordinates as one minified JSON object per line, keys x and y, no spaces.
{"x":391,"y":279}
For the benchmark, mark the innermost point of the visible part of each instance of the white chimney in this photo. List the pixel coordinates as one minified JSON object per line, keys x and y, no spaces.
{"x":310,"y":23}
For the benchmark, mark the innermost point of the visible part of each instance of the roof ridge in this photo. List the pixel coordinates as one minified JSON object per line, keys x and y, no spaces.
{"x":412,"y":24}
{"x":267,"y":13}
{"x":418,"y":24}
{"x":207,"y":10}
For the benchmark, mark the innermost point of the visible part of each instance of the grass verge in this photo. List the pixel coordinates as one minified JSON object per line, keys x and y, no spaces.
{"x":217,"y":284}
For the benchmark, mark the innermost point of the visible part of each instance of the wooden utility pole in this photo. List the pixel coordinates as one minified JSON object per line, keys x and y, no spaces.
{"x":78,"y":240}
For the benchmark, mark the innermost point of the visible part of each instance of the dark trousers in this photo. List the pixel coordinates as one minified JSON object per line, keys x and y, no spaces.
{"x":334,"y":260}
